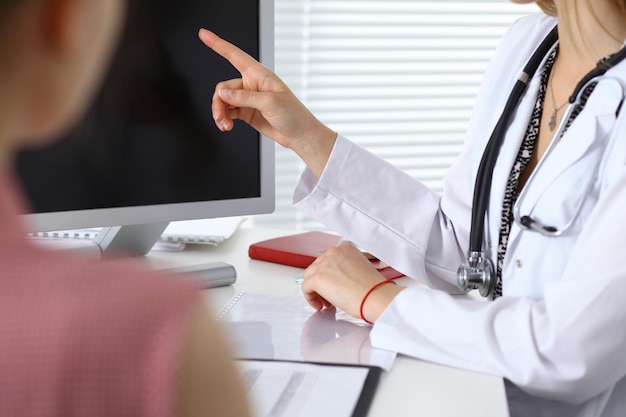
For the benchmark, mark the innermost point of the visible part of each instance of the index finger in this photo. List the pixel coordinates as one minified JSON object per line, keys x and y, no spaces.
{"x":238,"y":58}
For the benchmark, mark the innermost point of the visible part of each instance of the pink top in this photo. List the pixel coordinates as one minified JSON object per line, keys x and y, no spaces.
{"x":84,"y":338}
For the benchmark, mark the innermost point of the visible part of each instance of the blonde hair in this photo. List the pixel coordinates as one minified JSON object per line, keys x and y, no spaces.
{"x":549,"y":7}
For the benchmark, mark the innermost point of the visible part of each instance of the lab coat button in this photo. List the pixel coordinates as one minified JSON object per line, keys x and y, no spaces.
{"x":519,"y":263}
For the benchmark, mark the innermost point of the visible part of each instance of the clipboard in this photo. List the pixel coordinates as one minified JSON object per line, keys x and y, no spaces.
{"x":309,"y":389}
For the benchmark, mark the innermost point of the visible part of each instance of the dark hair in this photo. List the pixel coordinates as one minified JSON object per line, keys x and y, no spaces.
{"x":8,"y":10}
{"x":6,"y":7}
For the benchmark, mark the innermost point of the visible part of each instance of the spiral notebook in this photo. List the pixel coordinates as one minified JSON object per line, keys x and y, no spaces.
{"x":285,"y":327}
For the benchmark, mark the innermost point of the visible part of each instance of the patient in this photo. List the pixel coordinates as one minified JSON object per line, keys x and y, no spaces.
{"x":79,"y":338}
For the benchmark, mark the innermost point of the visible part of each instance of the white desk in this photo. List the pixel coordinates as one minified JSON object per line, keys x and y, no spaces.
{"x":411,"y":388}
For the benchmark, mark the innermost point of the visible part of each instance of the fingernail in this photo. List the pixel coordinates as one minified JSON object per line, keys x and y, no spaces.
{"x":223,"y":125}
{"x":226,"y":93}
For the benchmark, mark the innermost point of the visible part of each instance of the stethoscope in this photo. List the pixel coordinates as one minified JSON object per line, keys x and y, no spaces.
{"x":477,"y":273}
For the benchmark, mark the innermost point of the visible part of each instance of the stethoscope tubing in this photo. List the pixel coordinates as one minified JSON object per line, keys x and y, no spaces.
{"x":482,"y":186}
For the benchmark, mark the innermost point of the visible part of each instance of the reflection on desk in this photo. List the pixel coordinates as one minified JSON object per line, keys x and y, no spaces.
{"x":267,"y":326}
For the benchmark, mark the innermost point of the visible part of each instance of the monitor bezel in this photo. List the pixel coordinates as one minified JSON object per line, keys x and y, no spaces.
{"x":159,"y":213}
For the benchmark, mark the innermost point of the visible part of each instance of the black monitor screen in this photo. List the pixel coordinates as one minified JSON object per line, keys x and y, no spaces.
{"x":149,"y":137}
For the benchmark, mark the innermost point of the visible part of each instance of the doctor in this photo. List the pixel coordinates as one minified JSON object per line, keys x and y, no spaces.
{"x":555,"y":323}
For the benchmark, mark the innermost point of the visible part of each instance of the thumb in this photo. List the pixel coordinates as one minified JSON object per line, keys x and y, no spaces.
{"x":242,"y":98}
{"x":247,"y":105}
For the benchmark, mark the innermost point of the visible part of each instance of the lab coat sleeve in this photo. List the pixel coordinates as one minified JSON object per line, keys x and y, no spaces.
{"x":385,"y":211}
{"x":390,"y":214}
{"x":568,"y":346}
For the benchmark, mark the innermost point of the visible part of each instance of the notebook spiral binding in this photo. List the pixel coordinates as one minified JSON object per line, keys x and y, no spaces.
{"x":231,"y":303}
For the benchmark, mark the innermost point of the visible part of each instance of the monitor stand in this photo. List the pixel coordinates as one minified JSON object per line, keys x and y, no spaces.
{"x":131,"y":240}
{"x":137,"y":240}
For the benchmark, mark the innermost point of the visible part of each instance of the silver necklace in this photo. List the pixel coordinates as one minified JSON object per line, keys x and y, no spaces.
{"x":555,"y":109}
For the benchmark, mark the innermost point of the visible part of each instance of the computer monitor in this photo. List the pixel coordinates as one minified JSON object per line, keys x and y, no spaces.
{"x":148,"y":152}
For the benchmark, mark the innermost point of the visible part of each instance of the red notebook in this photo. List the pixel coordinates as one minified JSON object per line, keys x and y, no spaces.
{"x":302,"y":249}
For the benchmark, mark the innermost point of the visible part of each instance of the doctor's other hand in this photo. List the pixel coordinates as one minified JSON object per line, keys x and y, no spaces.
{"x":342,"y":277}
{"x":261,"y":99}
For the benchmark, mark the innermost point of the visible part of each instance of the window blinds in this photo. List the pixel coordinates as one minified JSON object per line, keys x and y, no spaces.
{"x":397,"y":77}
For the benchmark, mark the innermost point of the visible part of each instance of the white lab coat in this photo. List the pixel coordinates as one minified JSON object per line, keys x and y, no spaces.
{"x":559,"y":332}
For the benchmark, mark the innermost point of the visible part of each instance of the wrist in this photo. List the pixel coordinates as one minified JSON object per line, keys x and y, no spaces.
{"x":377,"y":299}
{"x":315,"y":148}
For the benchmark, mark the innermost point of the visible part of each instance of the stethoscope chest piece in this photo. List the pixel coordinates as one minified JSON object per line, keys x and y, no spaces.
{"x":477,"y":274}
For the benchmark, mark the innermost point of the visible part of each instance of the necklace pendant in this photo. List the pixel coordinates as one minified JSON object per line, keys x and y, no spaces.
{"x":552,"y":122}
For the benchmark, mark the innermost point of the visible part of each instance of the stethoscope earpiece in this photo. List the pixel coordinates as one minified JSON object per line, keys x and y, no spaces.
{"x":526,"y":221}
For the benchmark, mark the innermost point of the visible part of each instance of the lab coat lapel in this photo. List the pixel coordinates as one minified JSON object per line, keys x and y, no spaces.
{"x":588,"y":129}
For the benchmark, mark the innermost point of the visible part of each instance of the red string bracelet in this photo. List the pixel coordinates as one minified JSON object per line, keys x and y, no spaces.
{"x":368,"y":294}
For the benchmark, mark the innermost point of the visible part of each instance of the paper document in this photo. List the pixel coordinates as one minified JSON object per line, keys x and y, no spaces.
{"x":296,"y":389}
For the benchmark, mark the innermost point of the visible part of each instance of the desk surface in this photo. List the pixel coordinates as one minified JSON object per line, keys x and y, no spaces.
{"x":412,"y":388}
